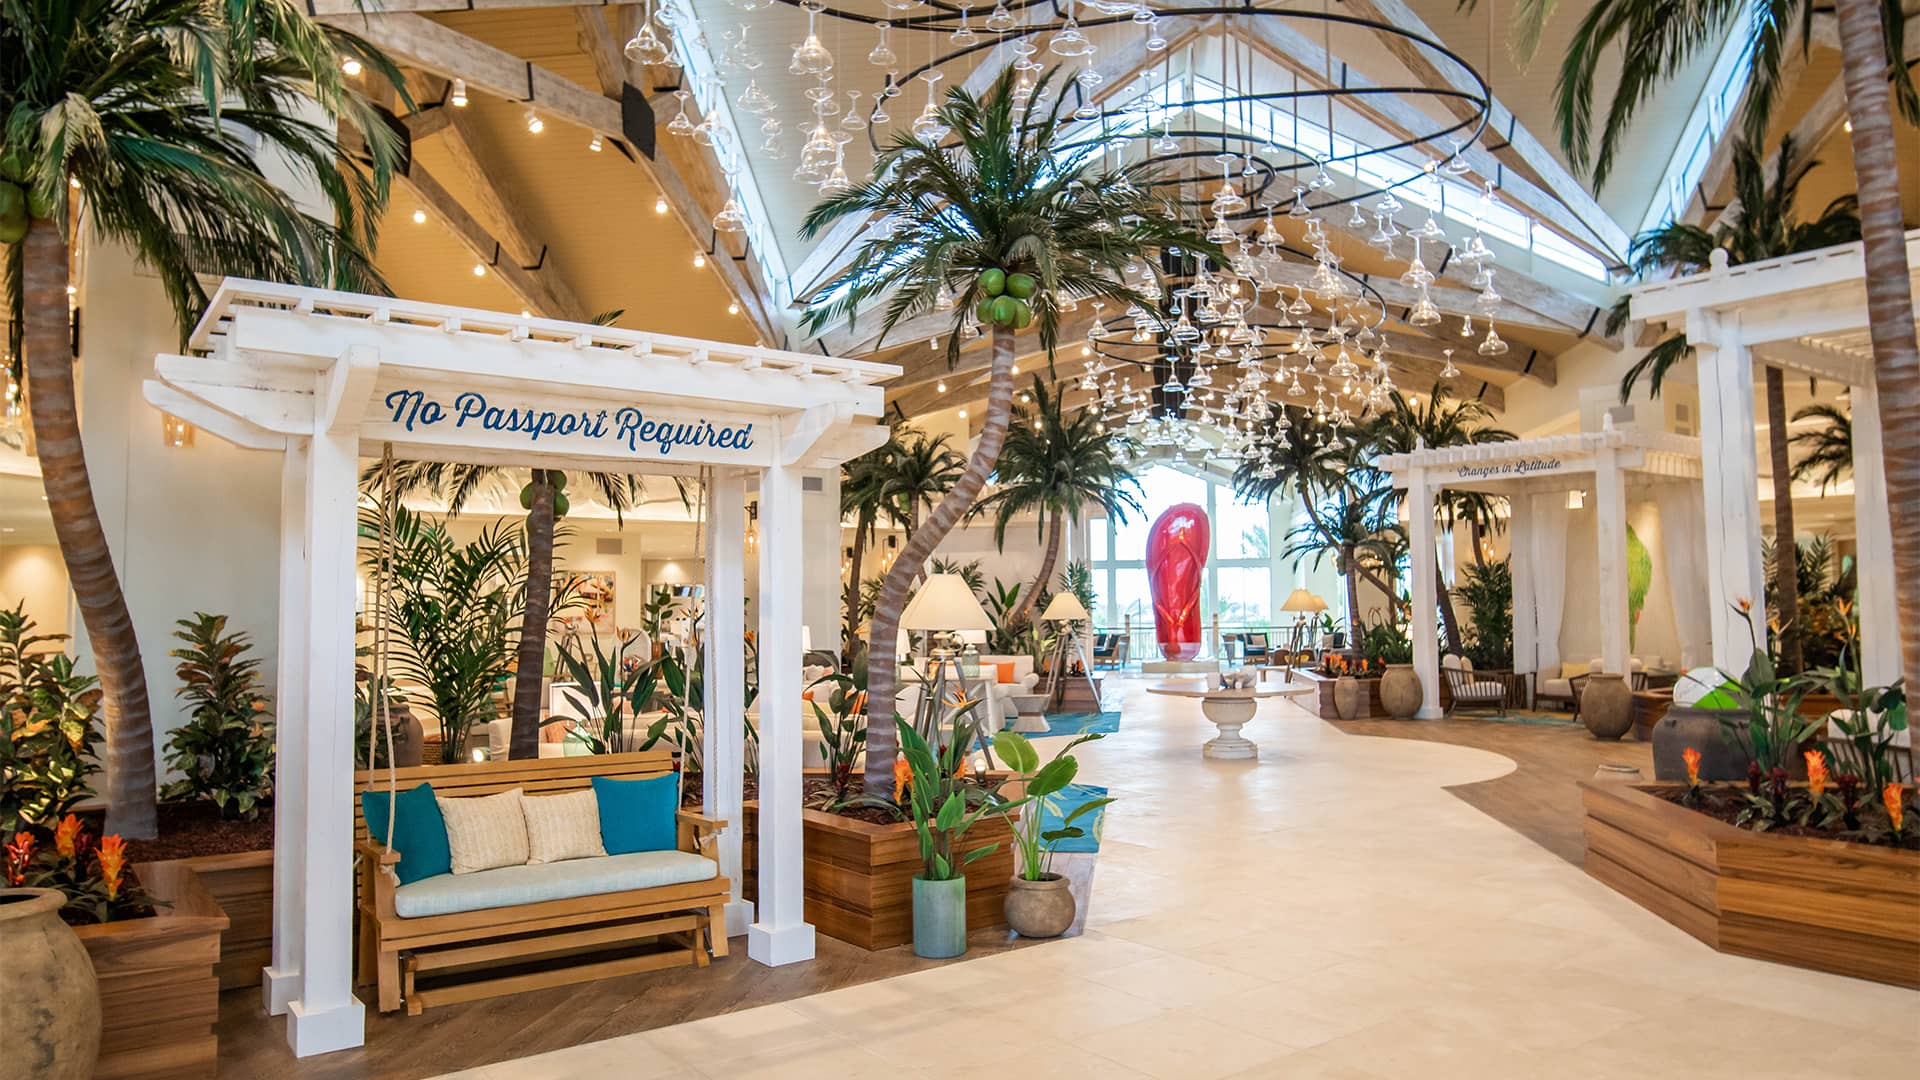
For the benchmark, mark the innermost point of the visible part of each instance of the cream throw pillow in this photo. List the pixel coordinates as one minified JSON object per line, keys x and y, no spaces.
{"x":563,"y":826}
{"x":485,"y":831}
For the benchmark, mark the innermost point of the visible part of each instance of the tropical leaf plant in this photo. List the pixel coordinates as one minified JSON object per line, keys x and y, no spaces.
{"x":49,"y":725}
{"x":1033,"y":842}
{"x":225,"y":751}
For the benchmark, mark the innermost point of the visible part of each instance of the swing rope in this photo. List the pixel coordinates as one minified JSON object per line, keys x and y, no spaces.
{"x":686,"y":682}
{"x":383,"y":566}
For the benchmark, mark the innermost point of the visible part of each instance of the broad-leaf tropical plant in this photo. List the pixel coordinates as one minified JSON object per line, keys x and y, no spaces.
{"x":1055,"y":466}
{"x":1033,"y":842}
{"x":1655,"y":40}
{"x":545,"y":500}
{"x":1763,"y":226}
{"x":150,"y":118}
{"x":1013,"y":193}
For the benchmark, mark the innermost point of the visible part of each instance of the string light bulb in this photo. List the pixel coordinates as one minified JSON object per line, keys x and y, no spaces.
{"x":419,"y":216}
{"x":594,"y":143}
{"x":479,"y":269}
{"x":535,"y":125}
{"x":733,"y":307}
{"x":660,"y":205}
{"x":458,"y":97}
{"x":351,"y":66}
{"x":699,"y":260}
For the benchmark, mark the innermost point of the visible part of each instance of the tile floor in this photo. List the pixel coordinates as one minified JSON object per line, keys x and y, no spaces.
{"x":1327,"y":911}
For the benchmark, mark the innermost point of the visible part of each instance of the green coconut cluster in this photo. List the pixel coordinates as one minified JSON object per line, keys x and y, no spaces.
{"x":13,"y":212}
{"x":560,"y":504}
{"x":1004,"y":299}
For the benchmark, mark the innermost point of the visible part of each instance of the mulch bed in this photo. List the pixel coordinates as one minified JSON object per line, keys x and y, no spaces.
{"x":191,"y":829}
{"x":690,"y":797}
{"x":1725,"y":804}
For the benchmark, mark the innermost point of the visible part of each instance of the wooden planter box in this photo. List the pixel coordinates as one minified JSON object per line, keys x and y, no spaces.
{"x":242,"y":884}
{"x":159,"y":996}
{"x":1825,"y":904}
{"x":1321,"y":701}
{"x":860,"y":876}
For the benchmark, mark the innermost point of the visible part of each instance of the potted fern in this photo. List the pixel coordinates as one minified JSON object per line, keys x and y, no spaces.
{"x":1040,"y":904}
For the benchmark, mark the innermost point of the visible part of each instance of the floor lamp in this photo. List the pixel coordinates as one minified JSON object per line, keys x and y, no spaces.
{"x":1305,"y":606}
{"x":1068,"y":612}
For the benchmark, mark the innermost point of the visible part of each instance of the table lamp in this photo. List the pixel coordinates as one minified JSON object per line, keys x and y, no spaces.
{"x":943,"y":605}
{"x":1065,"y":607}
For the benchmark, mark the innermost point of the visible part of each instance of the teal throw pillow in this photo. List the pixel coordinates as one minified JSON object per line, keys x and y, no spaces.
{"x":637,"y":815}
{"x":419,"y":832}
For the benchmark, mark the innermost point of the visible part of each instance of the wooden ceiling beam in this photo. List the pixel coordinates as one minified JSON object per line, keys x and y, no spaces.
{"x":417,"y":40}
{"x":535,"y":288}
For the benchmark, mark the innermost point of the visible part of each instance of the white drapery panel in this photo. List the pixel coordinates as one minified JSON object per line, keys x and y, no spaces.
{"x":1683,"y":543}
{"x":1547,"y":565}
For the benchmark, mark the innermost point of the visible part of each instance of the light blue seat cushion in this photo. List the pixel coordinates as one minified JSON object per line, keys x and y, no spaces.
{"x":505,"y":886}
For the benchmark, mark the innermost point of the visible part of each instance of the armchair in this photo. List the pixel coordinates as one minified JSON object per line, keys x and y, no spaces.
{"x":1474,"y":689}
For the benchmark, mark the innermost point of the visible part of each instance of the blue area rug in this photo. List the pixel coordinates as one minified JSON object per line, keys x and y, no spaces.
{"x":1055,"y":808}
{"x":1081,"y":723}
{"x":1521,"y":716}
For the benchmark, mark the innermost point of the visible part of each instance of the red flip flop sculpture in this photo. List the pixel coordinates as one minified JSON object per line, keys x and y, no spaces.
{"x":1177,"y":549}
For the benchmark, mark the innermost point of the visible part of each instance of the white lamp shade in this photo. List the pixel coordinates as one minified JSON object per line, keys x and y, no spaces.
{"x":1302,"y":600}
{"x":972,"y":637}
{"x":945,"y":603}
{"x":806,"y":638}
{"x":1064,"y":607}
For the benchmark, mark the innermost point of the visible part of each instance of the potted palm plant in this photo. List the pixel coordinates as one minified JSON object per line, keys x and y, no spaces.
{"x":1040,"y":904}
{"x":1010,"y":219}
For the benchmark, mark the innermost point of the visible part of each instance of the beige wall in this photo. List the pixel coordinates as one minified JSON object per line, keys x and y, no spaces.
{"x":33,"y":574}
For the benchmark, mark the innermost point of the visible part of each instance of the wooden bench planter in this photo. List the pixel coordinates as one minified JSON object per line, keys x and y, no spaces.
{"x":859,"y":876}
{"x":441,"y":959}
{"x":1850,"y":909}
{"x":159,"y":996}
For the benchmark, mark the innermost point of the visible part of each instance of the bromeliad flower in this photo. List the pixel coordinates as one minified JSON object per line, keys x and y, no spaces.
{"x":1745,"y":604}
{"x":19,"y":857}
{"x":1816,"y":773}
{"x":1692,"y":758}
{"x":65,"y":834}
{"x":902,"y":777}
{"x":1892,"y":795}
{"x":113,"y":861}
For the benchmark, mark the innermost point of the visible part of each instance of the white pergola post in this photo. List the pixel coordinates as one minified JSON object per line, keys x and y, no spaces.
{"x":1873,"y":533}
{"x":780,"y":933}
{"x":1520,"y":559}
{"x":1610,"y":527}
{"x":724,"y":734}
{"x":1732,"y":485}
{"x":326,"y":1016}
{"x":280,"y":980}
{"x":1426,"y":632}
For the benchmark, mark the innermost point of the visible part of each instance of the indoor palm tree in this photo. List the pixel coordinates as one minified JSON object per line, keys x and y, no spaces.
{"x":1651,"y":41}
{"x":1011,"y":205}
{"x":1441,"y":421}
{"x":1827,"y":450}
{"x":148,"y":117}
{"x":545,"y":502}
{"x":1055,"y":466}
{"x":1322,"y":470}
{"x":917,"y":472}
{"x":1763,"y":227}
{"x":863,"y":497}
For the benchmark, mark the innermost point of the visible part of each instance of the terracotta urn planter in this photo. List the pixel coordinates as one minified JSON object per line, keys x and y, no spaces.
{"x":1606,"y":705}
{"x":1400,"y":692}
{"x":1347,"y":697}
{"x":49,"y":1000}
{"x":1040,"y":909}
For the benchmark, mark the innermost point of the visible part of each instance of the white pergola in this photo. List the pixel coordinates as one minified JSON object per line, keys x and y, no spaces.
{"x":1604,"y":462}
{"x":1807,"y":314}
{"x":329,"y":378}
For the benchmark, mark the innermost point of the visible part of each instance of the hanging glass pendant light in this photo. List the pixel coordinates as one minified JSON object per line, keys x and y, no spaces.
{"x":882,"y":56}
{"x":1449,"y":371}
{"x":681,"y":124}
{"x":730,"y":219}
{"x":645,"y":46}
{"x":810,"y":57}
{"x":1068,"y":41}
{"x":927,"y":125}
{"x":754,"y":100}
{"x":963,"y":35}
{"x":1492,"y":345}
{"x":1001,"y":20}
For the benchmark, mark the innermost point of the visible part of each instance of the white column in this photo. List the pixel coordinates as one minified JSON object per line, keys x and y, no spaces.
{"x":1731,"y":480}
{"x":780,"y":933}
{"x":1879,"y":621}
{"x":1426,"y":631}
{"x":1520,"y":526}
{"x":724,"y":732}
{"x":326,"y":1016}
{"x":280,"y":980}
{"x":1610,"y":529}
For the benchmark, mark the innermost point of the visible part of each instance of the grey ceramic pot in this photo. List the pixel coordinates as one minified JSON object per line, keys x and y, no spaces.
{"x":1040,"y":909}
{"x":1721,"y":758}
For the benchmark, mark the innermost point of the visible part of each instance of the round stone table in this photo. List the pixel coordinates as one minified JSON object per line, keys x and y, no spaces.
{"x":1229,"y":710}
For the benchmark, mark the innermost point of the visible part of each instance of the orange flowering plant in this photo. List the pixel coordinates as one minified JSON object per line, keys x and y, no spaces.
{"x":1692,"y":758}
{"x":94,"y":879}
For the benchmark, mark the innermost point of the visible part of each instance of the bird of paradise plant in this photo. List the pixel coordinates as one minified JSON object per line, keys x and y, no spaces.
{"x":1692,"y":758}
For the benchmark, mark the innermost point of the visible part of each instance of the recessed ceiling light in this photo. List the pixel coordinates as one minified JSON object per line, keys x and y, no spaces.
{"x":660,"y":205}
{"x":941,"y":388}
{"x":458,"y":98}
{"x":963,"y":414}
{"x":419,"y":217}
{"x":699,"y":260}
{"x":733,"y":308}
{"x":535,"y":125}
{"x":594,"y":143}
{"x":479,"y":270}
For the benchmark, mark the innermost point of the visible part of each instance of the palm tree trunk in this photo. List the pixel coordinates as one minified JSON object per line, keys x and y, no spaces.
{"x":860,"y":536}
{"x":1786,"y":554}
{"x":1896,"y":355}
{"x":1026,"y":603}
{"x":83,"y":542}
{"x":1448,"y":620}
{"x":532,"y":660}
{"x":882,"y":740}
{"x":1350,"y":558}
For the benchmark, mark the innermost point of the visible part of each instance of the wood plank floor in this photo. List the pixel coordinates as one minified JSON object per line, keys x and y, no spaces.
{"x":1538,"y":798}
{"x":399,"y":1047}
